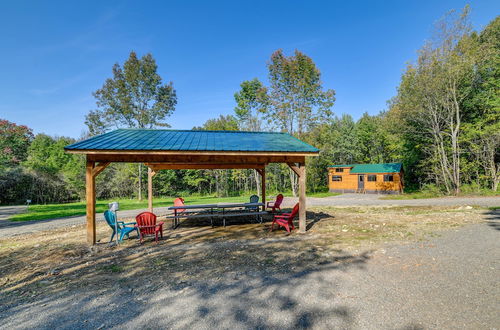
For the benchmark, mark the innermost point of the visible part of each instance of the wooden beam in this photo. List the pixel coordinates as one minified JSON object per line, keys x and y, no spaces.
{"x":183,"y":166}
{"x":151,"y":174}
{"x":99,"y":168}
{"x":302,"y":199}
{"x":90,"y":200}
{"x":195,"y":159}
{"x":296,"y":168}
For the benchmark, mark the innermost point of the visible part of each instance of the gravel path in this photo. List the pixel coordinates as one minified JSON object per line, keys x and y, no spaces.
{"x":11,"y":228}
{"x":348,"y":200}
{"x":448,"y":282}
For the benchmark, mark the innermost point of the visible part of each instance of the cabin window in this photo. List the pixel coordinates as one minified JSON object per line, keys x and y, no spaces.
{"x":372,"y":178}
{"x":339,"y":170}
{"x":388,"y":177}
{"x":336,"y":178}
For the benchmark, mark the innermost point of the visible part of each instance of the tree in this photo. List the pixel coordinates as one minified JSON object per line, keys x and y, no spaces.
{"x":135,"y":98}
{"x":223,"y":123}
{"x":295,"y":101}
{"x":47,"y":159}
{"x":251,"y":103}
{"x":433,"y":93}
{"x":14,"y":143}
{"x":482,"y":127}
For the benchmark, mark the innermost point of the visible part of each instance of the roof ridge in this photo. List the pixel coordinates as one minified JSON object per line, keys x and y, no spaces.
{"x":196,"y":130}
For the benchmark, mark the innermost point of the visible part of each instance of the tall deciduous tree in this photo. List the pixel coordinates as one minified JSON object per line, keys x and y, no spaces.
{"x":433,"y":92}
{"x":251,"y":104}
{"x":295,"y":101}
{"x":135,"y":97}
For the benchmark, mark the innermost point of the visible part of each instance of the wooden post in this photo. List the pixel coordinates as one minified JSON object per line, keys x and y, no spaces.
{"x":300,"y":170}
{"x":302,"y":199}
{"x":263,"y":187}
{"x":90,"y":197}
{"x":151,"y":173}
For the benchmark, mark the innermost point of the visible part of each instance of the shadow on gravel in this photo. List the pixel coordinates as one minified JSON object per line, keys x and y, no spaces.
{"x":493,"y":219}
{"x":279,"y":282}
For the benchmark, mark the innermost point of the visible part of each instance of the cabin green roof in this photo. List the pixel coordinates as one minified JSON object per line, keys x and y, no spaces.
{"x":372,"y":168}
{"x":191,"y":140}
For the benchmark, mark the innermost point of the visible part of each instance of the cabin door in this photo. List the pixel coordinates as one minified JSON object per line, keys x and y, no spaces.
{"x":361,"y":182}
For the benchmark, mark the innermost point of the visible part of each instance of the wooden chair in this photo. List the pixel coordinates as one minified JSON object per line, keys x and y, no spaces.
{"x":286,"y":219}
{"x":146,"y":224}
{"x":276,"y":204}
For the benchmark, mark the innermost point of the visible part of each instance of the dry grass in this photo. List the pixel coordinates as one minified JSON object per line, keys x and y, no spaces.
{"x":56,"y":261}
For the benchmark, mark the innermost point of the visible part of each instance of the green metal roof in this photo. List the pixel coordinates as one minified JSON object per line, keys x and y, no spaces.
{"x":373,"y":168}
{"x":190,"y":140}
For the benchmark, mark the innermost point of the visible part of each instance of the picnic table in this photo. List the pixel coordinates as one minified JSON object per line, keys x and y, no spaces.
{"x":219,"y":210}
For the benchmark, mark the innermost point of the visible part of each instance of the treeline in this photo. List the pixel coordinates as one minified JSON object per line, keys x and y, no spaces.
{"x":443,"y":125}
{"x":444,"y":122}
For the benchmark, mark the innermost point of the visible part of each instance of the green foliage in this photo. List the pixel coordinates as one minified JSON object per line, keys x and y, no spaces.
{"x":251,"y":102}
{"x":223,"y":123}
{"x":14,"y":142}
{"x":447,"y":108}
{"x":297,"y":101}
{"x":134,"y":97}
{"x":443,"y":125}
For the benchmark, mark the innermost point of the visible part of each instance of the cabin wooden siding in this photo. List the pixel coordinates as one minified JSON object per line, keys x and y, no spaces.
{"x":349,"y":182}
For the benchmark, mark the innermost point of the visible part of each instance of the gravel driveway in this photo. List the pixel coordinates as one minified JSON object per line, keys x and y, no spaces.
{"x":448,"y":282}
{"x":11,"y":228}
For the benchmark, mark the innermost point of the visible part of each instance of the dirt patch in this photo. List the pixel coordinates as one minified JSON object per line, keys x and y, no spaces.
{"x":51,"y":262}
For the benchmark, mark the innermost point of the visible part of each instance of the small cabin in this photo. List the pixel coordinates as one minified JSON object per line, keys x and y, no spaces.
{"x":366,"y":178}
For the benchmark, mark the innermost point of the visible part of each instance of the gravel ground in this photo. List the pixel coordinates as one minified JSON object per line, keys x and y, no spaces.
{"x":348,"y":200}
{"x":11,"y":228}
{"x":447,"y":282}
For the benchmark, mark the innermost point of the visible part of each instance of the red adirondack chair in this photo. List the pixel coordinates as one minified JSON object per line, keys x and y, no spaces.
{"x":286,"y":219}
{"x":276,"y":204}
{"x":146,"y":223}
{"x":179,"y":201}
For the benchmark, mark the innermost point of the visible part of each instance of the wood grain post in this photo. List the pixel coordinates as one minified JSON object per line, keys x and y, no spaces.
{"x":151,"y":173}
{"x":90,"y":199}
{"x":302,"y":199}
{"x":263,"y":187}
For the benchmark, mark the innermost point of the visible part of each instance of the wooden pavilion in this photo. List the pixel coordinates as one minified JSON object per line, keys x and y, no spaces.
{"x":161,"y":149}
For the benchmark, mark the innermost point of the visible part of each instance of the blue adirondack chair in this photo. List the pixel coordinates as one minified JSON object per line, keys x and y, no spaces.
{"x":123,"y":230}
{"x":253,"y":199}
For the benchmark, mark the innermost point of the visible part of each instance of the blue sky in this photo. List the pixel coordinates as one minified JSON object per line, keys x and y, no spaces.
{"x":53,"y":55}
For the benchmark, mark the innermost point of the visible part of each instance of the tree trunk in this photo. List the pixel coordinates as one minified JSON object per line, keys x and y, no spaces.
{"x":257,"y":178}
{"x":294,"y":183}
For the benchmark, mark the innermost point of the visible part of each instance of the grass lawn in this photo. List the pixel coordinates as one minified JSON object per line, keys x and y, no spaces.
{"x":53,"y":211}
